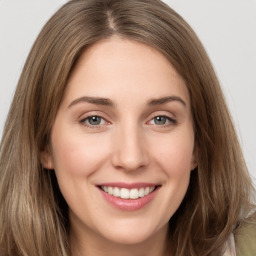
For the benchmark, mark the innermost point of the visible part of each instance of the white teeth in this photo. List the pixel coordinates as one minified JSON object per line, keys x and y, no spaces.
{"x":151,"y":189}
{"x":141,"y":192}
{"x":116,"y":192}
{"x":110,"y":190}
{"x":134,"y":193}
{"x":125,"y":193}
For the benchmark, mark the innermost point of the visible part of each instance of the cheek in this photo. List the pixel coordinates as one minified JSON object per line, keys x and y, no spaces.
{"x":175,"y":154}
{"x":77,"y":155}
{"x":76,"y":158}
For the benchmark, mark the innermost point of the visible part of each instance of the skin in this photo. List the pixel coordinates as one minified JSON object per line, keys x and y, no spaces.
{"x":128,"y":145}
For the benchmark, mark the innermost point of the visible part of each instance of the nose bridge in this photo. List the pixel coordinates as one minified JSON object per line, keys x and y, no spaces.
{"x":130,"y":152}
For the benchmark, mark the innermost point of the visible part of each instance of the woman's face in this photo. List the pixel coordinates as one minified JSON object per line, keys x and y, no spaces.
{"x":122,"y":143}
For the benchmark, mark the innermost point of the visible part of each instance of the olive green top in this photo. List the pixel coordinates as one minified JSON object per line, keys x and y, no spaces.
{"x":246,"y":240}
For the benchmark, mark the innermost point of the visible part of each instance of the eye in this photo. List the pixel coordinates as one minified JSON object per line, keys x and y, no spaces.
{"x":93,"y":121}
{"x":162,"y":120}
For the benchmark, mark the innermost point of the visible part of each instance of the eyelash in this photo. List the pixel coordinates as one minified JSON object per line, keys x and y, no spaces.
{"x":84,"y":121}
{"x":171,"y":120}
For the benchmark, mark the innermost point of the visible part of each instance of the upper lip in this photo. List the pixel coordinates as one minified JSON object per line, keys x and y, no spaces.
{"x":128,"y":185}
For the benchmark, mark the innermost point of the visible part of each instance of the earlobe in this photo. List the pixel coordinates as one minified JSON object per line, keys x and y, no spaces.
{"x":194,"y":164}
{"x":194,"y":160}
{"x":46,"y":160}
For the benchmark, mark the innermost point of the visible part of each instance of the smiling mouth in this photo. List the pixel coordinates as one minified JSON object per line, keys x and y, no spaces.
{"x":125,"y":193}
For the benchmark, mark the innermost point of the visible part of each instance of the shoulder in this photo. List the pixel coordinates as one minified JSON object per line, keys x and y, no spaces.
{"x":246,"y":239}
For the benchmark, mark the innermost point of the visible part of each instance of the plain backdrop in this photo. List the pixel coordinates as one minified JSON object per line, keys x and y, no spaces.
{"x":227,"y":29}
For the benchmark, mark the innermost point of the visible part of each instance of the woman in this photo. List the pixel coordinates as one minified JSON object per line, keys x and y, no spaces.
{"x":119,"y":141}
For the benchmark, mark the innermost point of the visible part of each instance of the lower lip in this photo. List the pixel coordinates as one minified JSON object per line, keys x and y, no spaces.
{"x":129,"y":204}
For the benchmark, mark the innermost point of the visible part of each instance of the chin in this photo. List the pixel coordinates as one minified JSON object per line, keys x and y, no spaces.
{"x":129,"y":239}
{"x":132,"y":234}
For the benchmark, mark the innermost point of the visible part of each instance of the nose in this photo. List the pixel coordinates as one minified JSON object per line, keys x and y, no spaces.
{"x":130,"y":153}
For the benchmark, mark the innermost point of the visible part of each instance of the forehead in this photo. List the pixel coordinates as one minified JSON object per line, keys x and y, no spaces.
{"x":118,"y":65}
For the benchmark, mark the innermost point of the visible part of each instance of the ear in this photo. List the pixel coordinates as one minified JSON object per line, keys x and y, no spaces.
{"x":46,"y":160}
{"x":193,"y":163}
{"x":194,"y":159}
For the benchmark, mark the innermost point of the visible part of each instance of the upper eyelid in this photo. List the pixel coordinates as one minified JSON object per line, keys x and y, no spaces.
{"x":106,"y":116}
{"x":150,"y":119}
{"x":171,"y":119}
{"x":162,"y":113}
{"x":85,"y":118}
{"x":93,"y":113}
{"x":165,"y":115}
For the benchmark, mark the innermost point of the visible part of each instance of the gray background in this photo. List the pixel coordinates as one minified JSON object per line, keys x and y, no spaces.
{"x":227,"y":28}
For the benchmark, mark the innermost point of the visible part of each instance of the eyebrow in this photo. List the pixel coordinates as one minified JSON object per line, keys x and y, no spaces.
{"x":165,"y":100}
{"x":93,"y":100}
{"x":109,"y":103}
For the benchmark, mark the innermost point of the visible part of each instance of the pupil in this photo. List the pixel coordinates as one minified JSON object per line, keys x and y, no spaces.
{"x":94,"y":120}
{"x":160,"y":120}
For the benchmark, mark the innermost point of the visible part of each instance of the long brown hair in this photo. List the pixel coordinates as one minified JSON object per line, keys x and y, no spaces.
{"x":33,"y":214}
